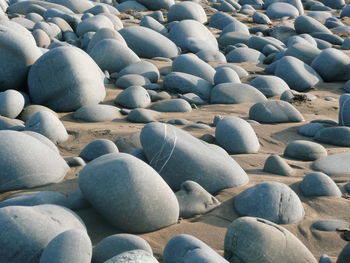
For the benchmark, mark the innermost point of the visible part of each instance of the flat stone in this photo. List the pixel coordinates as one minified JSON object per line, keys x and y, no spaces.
{"x":97,"y":113}
{"x":276,"y":165}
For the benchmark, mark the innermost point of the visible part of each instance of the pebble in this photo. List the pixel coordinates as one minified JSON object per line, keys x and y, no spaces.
{"x":172,"y":105}
{"x":226,"y":75}
{"x":142,"y":116}
{"x":187,"y":11}
{"x":135,"y":256}
{"x":11,"y":103}
{"x":270,"y":86}
{"x":339,"y":136}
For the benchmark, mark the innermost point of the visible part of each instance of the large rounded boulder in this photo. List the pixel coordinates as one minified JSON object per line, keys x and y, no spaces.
{"x":73,"y":78}
{"x":251,"y":239}
{"x":178,"y":156}
{"x":26,"y":231}
{"x":26,"y":162}
{"x":128,"y":193}
{"x":18,"y":51}
{"x":272,"y":201}
{"x":148,"y":43}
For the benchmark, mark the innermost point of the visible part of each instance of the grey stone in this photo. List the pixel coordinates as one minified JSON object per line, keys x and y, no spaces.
{"x":344,"y":254}
{"x":270,"y":86}
{"x":236,"y":26}
{"x":148,"y":43}
{"x":270,"y":243}
{"x":74,"y":79}
{"x":226,"y":75}
{"x":76,"y":200}
{"x":128,"y":80}
{"x":276,"y":165}
{"x":75,"y":161}
{"x":172,"y":105}
{"x":157,"y":4}
{"x":211,"y":56}
{"x":187,"y":10}
{"x":70,"y":246}
{"x":178,"y":157}
{"x":112,"y":55}
{"x":35,"y":198}
{"x":192,"y":98}
{"x":11,"y":124}
{"x":41,"y":38}
{"x":114,"y":245}
{"x":192,"y":36}
{"x":278,"y":10}
{"x":271,"y":201}
{"x":186,"y":248}
{"x":345,"y":12}
{"x":186,"y":83}
{"x":306,"y":24}
{"x":343,"y":117}
{"x":133,"y":97}
{"x":329,"y":225}
{"x":336,"y":4}
{"x":102,"y":34}
{"x":43,"y":139}
{"x":98,"y":148}
{"x":243,"y":54}
{"x":325,"y":259}
{"x":310,"y":129}
{"x":162,"y":95}
{"x":330,"y":37}
{"x":235,"y":93}
{"x":97,"y":113}
{"x":93,"y":24}
{"x":333,"y":164}
{"x":128,"y":193}
{"x":236,"y":136}
{"x":47,"y":124}
{"x":305,"y":53}
{"x":151,"y":23}
{"x":220,"y":19}
{"x":194,"y":200}
{"x":259,"y":42}
{"x":18,"y":52}
{"x":27,"y":230}
{"x":260,"y":18}
{"x":239,"y":70}
{"x":191,"y":64}
{"x":135,"y":256}
{"x":143,"y":68}
{"x":233,"y":38}
{"x":305,"y":150}
{"x":142,"y":116}
{"x":178,"y":121}
{"x":319,"y":184}
{"x":11,"y":103}
{"x":339,"y":136}
{"x":337,"y":68}
{"x":131,"y":5}
{"x":298,"y":75}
